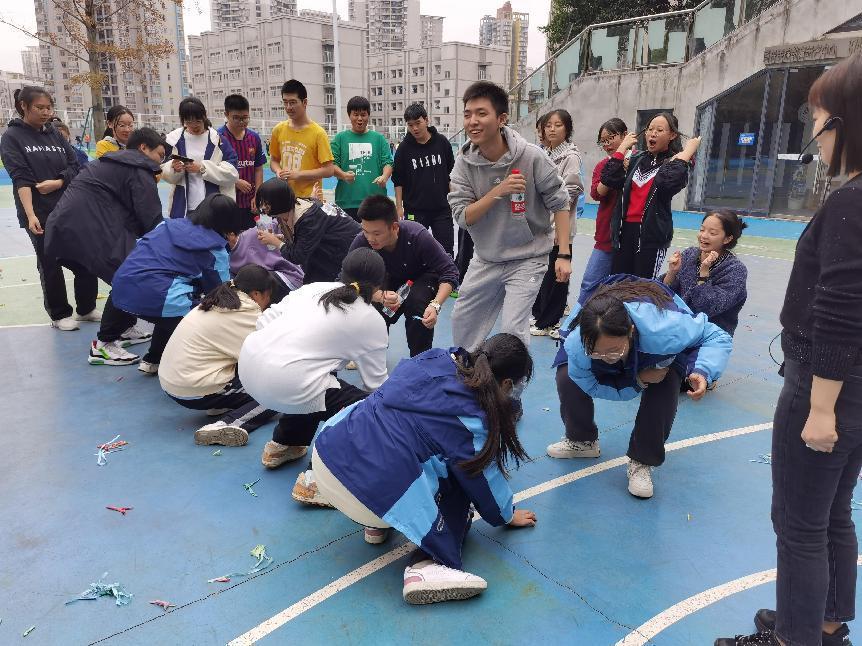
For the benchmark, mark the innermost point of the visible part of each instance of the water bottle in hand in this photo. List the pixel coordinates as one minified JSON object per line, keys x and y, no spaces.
{"x":519,"y":201}
{"x":402,"y":293}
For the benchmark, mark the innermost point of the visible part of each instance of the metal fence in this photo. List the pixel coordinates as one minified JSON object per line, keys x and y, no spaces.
{"x":647,"y":41}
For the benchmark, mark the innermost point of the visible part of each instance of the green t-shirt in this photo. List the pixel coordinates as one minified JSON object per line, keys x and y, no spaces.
{"x":365,"y":155}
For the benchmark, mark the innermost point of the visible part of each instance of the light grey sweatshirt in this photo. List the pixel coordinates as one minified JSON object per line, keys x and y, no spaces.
{"x":498,"y":236}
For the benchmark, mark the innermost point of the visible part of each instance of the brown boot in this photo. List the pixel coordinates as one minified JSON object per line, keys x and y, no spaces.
{"x":275,"y":454}
{"x":306,"y":492}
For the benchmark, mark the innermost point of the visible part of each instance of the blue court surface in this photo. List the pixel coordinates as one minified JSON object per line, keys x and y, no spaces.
{"x":601,"y":567}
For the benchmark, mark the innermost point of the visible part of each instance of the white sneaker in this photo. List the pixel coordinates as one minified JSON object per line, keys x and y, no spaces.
{"x":110,"y":354}
{"x":434,"y":582}
{"x":305,"y":491}
{"x":221,"y":433}
{"x":567,"y":448}
{"x":67,"y":324}
{"x":555,"y":333}
{"x":567,"y":310}
{"x":640,"y":479}
{"x":148,"y":368}
{"x":134,"y":335}
{"x":540,"y":331}
{"x":532,"y":321}
{"x":375,"y":536}
{"x":94,"y":317}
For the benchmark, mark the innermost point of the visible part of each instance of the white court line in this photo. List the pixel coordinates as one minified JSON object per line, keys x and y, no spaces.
{"x":307,"y":603}
{"x":642,"y":634}
{"x":7,"y":327}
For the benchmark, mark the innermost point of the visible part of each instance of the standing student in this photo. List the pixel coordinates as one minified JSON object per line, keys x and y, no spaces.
{"x":817,"y":432}
{"x":250,"y":157}
{"x":122,"y":124}
{"x":289,"y":363}
{"x":363,"y":162}
{"x":41,"y":164}
{"x":430,"y":444}
{"x":314,"y":235}
{"x":111,"y":203}
{"x":423,"y":163}
{"x":611,"y":134}
{"x":557,"y":142}
{"x":511,"y":247}
{"x":199,"y":364}
{"x":299,"y":149}
{"x":213,"y":166}
{"x":409,"y":252}
{"x":642,"y":222}
{"x":633,"y":337}
{"x":171,"y":268}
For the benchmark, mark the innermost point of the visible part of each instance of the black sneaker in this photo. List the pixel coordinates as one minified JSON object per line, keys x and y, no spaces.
{"x":763,"y":638}
{"x":764,"y":619}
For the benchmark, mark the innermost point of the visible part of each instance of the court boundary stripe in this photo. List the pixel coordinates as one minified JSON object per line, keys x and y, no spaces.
{"x":307,"y":603}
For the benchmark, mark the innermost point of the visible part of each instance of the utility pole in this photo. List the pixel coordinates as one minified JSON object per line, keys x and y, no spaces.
{"x":338,"y":116}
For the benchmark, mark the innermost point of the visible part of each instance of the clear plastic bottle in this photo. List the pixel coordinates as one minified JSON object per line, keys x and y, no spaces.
{"x":402,"y":293}
{"x":519,"y":201}
{"x":268,"y":224}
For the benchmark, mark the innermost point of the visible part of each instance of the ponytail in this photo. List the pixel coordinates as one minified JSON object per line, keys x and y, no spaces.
{"x":27,"y":95}
{"x":250,"y":278}
{"x":362,"y":273}
{"x":503,"y":356}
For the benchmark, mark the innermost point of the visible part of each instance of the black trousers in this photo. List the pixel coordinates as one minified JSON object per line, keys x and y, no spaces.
{"x":440,"y":223}
{"x":630,"y":258}
{"x":551,"y":299}
{"x":53,"y":283}
{"x":299,"y":430}
{"x":114,"y":322}
{"x":244,"y":411}
{"x":652,"y":425}
{"x":353,"y":213}
{"x":465,"y":253}
{"x":419,"y":337}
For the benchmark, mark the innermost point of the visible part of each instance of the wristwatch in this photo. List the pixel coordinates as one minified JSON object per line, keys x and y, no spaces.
{"x":436,"y":306}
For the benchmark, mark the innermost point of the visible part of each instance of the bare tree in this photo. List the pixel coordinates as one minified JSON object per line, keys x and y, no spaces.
{"x":86,"y":31}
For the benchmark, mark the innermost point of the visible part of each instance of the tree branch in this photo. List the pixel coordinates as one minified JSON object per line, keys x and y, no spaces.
{"x":43,"y":40}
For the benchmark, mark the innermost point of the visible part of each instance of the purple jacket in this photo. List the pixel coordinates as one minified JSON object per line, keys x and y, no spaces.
{"x":249,"y":250}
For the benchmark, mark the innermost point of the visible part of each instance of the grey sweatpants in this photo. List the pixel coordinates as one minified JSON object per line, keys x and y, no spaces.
{"x":490,"y":288}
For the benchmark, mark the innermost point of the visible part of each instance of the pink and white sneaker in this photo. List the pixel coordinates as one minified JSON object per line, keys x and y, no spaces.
{"x":433,"y":583}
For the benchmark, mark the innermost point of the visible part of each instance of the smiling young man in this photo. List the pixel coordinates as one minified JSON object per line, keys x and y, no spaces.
{"x":249,"y":152}
{"x":363,"y":161}
{"x":423,"y":163}
{"x":511,"y":246}
{"x":410,"y":252}
{"x":299,"y":149}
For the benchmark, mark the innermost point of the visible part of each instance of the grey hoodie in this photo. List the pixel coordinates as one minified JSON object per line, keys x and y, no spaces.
{"x":499,"y":237}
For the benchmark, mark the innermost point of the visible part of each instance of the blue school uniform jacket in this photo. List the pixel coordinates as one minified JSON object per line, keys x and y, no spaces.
{"x":674,"y":337}
{"x":170,"y":269}
{"x":399,"y":453}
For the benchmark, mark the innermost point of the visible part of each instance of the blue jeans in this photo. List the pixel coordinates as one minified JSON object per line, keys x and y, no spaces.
{"x":811,"y":515}
{"x":598,"y":268}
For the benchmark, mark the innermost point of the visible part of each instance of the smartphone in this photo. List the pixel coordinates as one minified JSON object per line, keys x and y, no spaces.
{"x":185,"y":160}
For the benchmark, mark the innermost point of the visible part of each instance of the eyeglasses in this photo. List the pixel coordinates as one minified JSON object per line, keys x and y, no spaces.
{"x":601,"y":143}
{"x":239,"y":119}
{"x":608,"y":356}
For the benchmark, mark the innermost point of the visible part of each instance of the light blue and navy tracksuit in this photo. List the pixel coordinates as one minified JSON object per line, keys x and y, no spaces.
{"x":671,"y":337}
{"x":399,"y":452}
{"x":167,"y":273}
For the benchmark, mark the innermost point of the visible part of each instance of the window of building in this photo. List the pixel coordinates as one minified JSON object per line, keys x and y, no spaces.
{"x":414,"y":89}
{"x":436,"y":121}
{"x":275,"y":70}
{"x":483,"y":72}
{"x":436,"y":87}
{"x":273,"y":48}
{"x":446,"y":110}
{"x":393,"y":74}
{"x":438,"y":69}
{"x":274,"y":91}
{"x":447,"y":74}
{"x":215,"y":57}
{"x":422,"y":71}
{"x":254,"y":72}
{"x":234,"y":74}
{"x":329,"y":98}
{"x":446,"y":92}
{"x":233,"y":55}
{"x":253,"y":51}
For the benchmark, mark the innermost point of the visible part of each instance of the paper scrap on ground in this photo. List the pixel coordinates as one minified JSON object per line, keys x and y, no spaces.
{"x":248,"y":487}
{"x":217,"y":452}
{"x":164,"y":605}
{"x":122,"y":510}
{"x":263,"y":562}
{"x":28,"y":631}
{"x":765,"y":458}
{"x":101,"y":589}
{"x":108,"y":447}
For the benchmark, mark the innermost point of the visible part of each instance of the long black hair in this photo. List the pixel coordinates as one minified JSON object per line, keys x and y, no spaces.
{"x":114,"y":113}
{"x":362,"y":273}
{"x":731,"y":223}
{"x":27,"y":95}
{"x":614,"y":126}
{"x":191,"y":108}
{"x":250,"y":278}
{"x":604,"y":313}
{"x":562,"y":115}
{"x":503,"y":356}
{"x":219,"y":213}
{"x":675,"y":144}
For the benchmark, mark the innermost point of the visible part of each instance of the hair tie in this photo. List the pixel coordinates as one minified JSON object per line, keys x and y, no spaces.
{"x":355,"y":286}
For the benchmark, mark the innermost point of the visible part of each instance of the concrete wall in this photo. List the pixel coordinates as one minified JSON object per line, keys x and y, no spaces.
{"x":593,"y":99}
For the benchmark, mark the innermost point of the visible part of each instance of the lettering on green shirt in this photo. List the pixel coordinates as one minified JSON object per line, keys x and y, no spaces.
{"x":365,"y":155}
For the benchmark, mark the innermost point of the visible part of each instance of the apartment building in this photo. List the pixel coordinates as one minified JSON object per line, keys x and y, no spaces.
{"x":391,"y":24}
{"x":256,"y":60}
{"x":30,"y":61}
{"x":9,"y":82}
{"x":436,"y":77}
{"x":227,"y":14}
{"x":431,"y":31}
{"x":509,"y":29}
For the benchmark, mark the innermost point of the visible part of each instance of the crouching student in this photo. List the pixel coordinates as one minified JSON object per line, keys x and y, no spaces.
{"x":633,"y":337}
{"x":247,"y":249}
{"x":169,"y":270}
{"x":199,"y":364}
{"x":433,"y":440}
{"x":288,"y":364}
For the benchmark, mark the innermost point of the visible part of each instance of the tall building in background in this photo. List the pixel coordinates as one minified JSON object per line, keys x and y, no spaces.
{"x":227,"y":14}
{"x":431,"y":31}
{"x":391,"y":24}
{"x":30,"y":61}
{"x":508,"y":29}
{"x":158,"y":90}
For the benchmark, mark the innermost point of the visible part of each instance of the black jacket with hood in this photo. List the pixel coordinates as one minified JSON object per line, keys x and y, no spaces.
{"x":110,"y":204}
{"x":422,"y":172}
{"x":657,"y":223}
{"x":33,"y":155}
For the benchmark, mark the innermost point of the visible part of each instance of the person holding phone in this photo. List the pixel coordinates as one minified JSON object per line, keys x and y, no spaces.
{"x":202,"y":162}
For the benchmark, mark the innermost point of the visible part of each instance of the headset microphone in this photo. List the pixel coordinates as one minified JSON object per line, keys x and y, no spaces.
{"x":831,"y":124}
